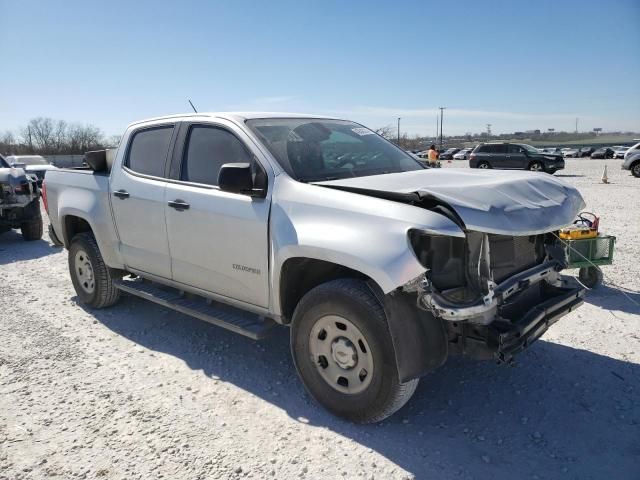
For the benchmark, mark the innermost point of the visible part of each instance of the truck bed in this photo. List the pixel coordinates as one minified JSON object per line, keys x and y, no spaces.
{"x":84,"y":194}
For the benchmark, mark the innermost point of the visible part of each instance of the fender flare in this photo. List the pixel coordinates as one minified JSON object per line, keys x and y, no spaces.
{"x":419,"y":339}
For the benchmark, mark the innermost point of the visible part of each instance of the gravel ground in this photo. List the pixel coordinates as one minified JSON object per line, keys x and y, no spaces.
{"x":136,"y":391}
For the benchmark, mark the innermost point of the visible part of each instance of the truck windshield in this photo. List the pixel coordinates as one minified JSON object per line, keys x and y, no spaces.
{"x":316,"y":149}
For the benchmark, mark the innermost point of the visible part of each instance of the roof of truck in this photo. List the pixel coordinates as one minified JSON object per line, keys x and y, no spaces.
{"x":236,"y":116}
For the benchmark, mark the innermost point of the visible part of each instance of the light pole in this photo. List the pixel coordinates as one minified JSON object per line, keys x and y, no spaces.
{"x":441,"y":117}
{"x":398,"y":131}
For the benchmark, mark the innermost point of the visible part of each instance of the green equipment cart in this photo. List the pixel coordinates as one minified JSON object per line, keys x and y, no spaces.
{"x":588,"y":255}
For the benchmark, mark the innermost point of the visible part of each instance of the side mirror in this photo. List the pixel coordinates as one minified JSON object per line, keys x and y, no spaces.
{"x":238,"y":178}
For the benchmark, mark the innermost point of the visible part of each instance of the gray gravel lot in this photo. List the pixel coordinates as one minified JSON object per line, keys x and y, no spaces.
{"x":136,"y":391}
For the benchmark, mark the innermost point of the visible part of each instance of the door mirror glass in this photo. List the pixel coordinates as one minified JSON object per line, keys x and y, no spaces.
{"x":239,"y":178}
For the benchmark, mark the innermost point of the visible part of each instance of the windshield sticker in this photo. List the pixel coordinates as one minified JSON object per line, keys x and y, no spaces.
{"x":362,"y":131}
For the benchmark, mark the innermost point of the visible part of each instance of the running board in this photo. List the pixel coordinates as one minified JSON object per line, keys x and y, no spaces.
{"x":239,"y":321}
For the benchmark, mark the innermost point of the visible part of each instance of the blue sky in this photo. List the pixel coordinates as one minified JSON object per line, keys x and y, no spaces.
{"x":514,"y":64}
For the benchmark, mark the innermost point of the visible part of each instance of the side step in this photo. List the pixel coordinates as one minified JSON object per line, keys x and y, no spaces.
{"x":239,"y":321}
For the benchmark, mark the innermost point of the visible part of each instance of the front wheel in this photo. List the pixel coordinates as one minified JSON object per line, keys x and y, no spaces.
{"x":635,"y":170}
{"x":92,"y":279}
{"x":343,"y":352}
{"x":536,"y":167}
{"x":484,"y":165}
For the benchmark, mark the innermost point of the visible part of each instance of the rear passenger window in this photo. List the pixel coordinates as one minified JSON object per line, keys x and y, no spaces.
{"x":498,"y":149}
{"x":208,"y":148}
{"x":148,"y":151}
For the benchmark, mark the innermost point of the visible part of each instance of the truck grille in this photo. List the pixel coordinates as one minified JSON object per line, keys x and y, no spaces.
{"x":512,"y":255}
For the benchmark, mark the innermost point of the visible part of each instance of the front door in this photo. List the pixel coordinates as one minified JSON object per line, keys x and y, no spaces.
{"x":218,"y":240}
{"x":138,"y":204}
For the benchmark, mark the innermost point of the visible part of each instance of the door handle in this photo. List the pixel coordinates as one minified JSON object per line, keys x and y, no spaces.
{"x":179,"y":205}
{"x":121,"y":194}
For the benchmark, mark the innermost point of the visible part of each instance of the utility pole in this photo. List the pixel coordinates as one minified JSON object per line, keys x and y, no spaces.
{"x":488,"y":130}
{"x":441,"y":117}
{"x":435,"y":138}
{"x":398,"y":131}
{"x":576,"y":124}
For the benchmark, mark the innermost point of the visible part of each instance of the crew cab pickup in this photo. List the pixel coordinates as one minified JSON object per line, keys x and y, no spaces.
{"x":381,"y":267}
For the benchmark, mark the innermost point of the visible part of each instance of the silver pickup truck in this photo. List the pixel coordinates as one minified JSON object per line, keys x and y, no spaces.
{"x":382,"y":267}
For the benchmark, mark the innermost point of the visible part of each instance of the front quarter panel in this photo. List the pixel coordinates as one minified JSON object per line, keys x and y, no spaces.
{"x":363,"y":233}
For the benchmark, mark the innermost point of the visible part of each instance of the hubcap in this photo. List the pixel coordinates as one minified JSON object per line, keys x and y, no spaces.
{"x":84,"y":271}
{"x":536,"y":167}
{"x":341,"y":354}
{"x":636,"y":170}
{"x":483,"y":165}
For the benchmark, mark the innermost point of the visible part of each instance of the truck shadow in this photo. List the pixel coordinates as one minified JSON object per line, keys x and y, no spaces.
{"x":559,"y":411}
{"x":13,"y":248}
{"x":612,"y":298}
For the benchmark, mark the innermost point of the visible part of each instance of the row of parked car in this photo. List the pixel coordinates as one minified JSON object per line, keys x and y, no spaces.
{"x":519,"y":156}
{"x":617,"y":151}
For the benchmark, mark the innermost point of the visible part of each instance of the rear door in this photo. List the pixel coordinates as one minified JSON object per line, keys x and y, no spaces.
{"x":218,"y":240}
{"x":497,"y":155}
{"x":138,"y":205}
{"x":516,"y":157}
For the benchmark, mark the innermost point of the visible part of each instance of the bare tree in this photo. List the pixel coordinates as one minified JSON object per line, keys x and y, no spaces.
{"x":387,"y":132}
{"x":39,"y":134}
{"x":113,"y":141}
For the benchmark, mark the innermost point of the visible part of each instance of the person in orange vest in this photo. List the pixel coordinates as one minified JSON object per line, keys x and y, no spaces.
{"x":432,"y":156}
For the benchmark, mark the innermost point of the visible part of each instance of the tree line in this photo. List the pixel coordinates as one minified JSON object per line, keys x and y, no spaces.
{"x":46,"y":136}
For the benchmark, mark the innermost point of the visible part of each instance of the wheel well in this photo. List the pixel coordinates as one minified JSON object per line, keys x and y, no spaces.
{"x":73,"y":226}
{"x":299,"y":275}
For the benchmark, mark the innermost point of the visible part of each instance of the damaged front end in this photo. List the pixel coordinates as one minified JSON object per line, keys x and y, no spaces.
{"x":495,"y":294}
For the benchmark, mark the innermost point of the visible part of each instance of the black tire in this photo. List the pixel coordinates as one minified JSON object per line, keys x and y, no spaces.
{"x":353,"y":301}
{"x":590,"y":277}
{"x":635,"y":169}
{"x":33,"y":229}
{"x":484,"y":165}
{"x":101,"y":292}
{"x":54,"y":238}
{"x":536,"y":166}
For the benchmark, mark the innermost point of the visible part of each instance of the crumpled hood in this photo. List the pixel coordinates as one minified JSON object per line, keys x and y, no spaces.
{"x":513,"y":203}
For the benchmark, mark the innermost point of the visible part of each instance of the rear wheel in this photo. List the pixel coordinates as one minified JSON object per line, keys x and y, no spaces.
{"x":342,"y":350}
{"x":92,"y":279}
{"x":32,"y":230}
{"x":484,"y":165}
{"x":536,"y":167}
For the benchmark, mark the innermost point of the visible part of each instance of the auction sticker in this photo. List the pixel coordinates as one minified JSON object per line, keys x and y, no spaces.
{"x":362,"y":131}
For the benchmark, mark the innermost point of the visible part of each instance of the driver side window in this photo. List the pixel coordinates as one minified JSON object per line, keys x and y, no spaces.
{"x":207,"y":149}
{"x":515,"y":149}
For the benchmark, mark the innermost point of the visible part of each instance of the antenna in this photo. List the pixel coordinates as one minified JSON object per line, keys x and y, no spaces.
{"x":194,"y":108}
